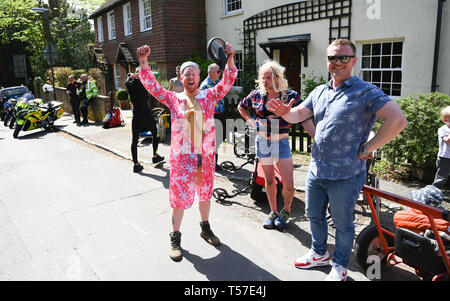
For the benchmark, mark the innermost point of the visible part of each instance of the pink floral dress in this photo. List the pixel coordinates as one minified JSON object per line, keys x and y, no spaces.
{"x":183,"y":155}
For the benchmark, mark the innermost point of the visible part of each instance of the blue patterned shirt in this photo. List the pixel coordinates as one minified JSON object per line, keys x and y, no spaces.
{"x":208,"y":83}
{"x":343,"y":119}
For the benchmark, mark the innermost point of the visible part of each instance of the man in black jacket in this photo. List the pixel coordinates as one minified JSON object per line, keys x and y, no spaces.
{"x":72,"y":87}
{"x":142,"y":119}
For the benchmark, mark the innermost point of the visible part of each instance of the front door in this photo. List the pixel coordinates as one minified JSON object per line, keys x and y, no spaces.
{"x":290,"y":58}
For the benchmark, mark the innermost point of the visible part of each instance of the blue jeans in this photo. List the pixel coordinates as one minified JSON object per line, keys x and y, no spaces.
{"x":342,"y":196}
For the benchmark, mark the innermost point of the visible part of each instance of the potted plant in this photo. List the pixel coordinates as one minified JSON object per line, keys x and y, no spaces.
{"x":122,"y":98}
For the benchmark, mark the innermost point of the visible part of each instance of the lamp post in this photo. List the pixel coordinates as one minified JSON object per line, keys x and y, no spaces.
{"x":50,"y":50}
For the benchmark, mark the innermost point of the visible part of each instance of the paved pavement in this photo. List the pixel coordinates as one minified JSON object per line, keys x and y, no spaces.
{"x":60,"y":228}
{"x":118,"y":141}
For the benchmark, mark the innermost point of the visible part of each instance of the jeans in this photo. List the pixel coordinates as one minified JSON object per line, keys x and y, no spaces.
{"x":342,"y":196}
{"x":442,"y":173}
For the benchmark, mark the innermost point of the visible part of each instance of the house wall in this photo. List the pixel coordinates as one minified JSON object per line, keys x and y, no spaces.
{"x":410,"y":21}
{"x":178,"y":31}
{"x":414,"y":22}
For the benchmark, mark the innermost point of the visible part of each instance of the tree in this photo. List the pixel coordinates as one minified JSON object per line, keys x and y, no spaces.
{"x":19,"y":24}
{"x":71,"y":32}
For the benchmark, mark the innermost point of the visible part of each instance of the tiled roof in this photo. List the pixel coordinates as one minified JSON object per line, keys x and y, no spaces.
{"x":106,"y":7}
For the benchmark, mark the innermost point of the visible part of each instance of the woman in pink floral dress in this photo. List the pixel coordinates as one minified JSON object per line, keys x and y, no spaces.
{"x":192,"y":152}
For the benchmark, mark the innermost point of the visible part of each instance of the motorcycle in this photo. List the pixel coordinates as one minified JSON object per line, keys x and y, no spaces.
{"x":9,"y":108}
{"x":33,"y":117}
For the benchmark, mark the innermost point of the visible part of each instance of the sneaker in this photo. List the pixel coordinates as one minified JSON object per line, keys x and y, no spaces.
{"x":175,"y":246}
{"x":157,"y":158}
{"x":137,"y":168}
{"x":281,"y":220}
{"x":269,"y":223}
{"x":312,"y":259}
{"x":208,"y":235}
{"x":338,"y":273}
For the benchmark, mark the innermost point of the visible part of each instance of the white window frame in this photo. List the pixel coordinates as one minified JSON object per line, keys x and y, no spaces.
{"x":145,"y":18}
{"x":111,"y":25}
{"x":117,"y":77}
{"x":239,"y":62}
{"x":127,"y":24}
{"x":101,"y":37}
{"x":228,"y":3}
{"x":386,"y":85}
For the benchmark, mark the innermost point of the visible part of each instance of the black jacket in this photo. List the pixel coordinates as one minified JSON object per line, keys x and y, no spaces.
{"x":139,"y":96}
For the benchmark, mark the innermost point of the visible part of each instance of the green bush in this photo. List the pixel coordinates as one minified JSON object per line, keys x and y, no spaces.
{"x":310,"y":82}
{"x":122,"y":94}
{"x":418,"y":143}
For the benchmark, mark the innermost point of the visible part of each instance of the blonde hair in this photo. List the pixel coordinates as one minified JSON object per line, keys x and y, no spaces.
{"x":445,"y":113}
{"x":280,"y":84}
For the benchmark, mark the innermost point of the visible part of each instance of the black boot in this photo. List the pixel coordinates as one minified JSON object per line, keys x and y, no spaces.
{"x":208,"y":235}
{"x":175,"y":246}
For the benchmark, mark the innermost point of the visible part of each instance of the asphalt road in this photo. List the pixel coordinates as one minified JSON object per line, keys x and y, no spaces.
{"x":71,"y":211}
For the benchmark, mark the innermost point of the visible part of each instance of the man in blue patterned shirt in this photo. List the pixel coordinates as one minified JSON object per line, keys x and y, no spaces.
{"x":344,"y":110}
{"x":219,"y":115}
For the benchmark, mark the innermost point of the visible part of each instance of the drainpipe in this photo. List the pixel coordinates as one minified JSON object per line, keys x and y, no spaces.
{"x":436,"y":46}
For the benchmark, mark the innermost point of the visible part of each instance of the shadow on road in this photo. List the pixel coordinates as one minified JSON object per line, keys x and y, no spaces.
{"x":228,"y":265}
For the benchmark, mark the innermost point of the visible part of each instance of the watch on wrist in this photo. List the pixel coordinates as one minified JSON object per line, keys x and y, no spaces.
{"x":364,"y":151}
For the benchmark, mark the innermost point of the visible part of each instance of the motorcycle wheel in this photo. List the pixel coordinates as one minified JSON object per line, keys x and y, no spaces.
{"x":17,"y":130}
{"x":5,"y":122}
{"x":368,"y":243}
{"x":12,"y":122}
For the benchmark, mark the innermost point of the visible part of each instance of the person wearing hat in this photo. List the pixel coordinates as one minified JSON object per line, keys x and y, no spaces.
{"x":142,"y":119}
{"x":192,"y":152}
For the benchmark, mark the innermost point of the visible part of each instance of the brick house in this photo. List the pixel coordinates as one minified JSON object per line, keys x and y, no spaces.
{"x":174,"y":29}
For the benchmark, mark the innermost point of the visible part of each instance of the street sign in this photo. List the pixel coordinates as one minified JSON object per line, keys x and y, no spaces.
{"x":50,"y":53}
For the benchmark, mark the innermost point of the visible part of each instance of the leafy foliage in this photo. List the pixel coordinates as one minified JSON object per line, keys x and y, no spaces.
{"x":122,"y":94}
{"x":310,"y":82}
{"x":69,"y":29}
{"x":418,"y":143}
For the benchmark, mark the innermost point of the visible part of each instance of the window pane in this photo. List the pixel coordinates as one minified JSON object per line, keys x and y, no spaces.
{"x":376,"y":76}
{"x":366,"y":76}
{"x":396,"y":90}
{"x":387,"y":76}
{"x":386,"y":88}
{"x":387,"y":48}
{"x":397,"y":77}
{"x":376,"y":49}
{"x":386,"y":62}
{"x":366,"y":49}
{"x":365,"y":62}
{"x":397,"y":48}
{"x":396,"y":61}
{"x":375,"y":62}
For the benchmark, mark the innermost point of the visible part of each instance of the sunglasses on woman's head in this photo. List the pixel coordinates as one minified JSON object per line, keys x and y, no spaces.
{"x":342,"y":58}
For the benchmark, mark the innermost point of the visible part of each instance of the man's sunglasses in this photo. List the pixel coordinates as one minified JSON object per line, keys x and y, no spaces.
{"x":343,"y":59}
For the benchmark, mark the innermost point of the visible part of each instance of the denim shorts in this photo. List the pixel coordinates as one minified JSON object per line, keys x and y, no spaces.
{"x":279,"y":149}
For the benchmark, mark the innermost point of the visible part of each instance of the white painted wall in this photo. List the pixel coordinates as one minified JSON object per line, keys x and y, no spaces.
{"x":412,"y":21}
